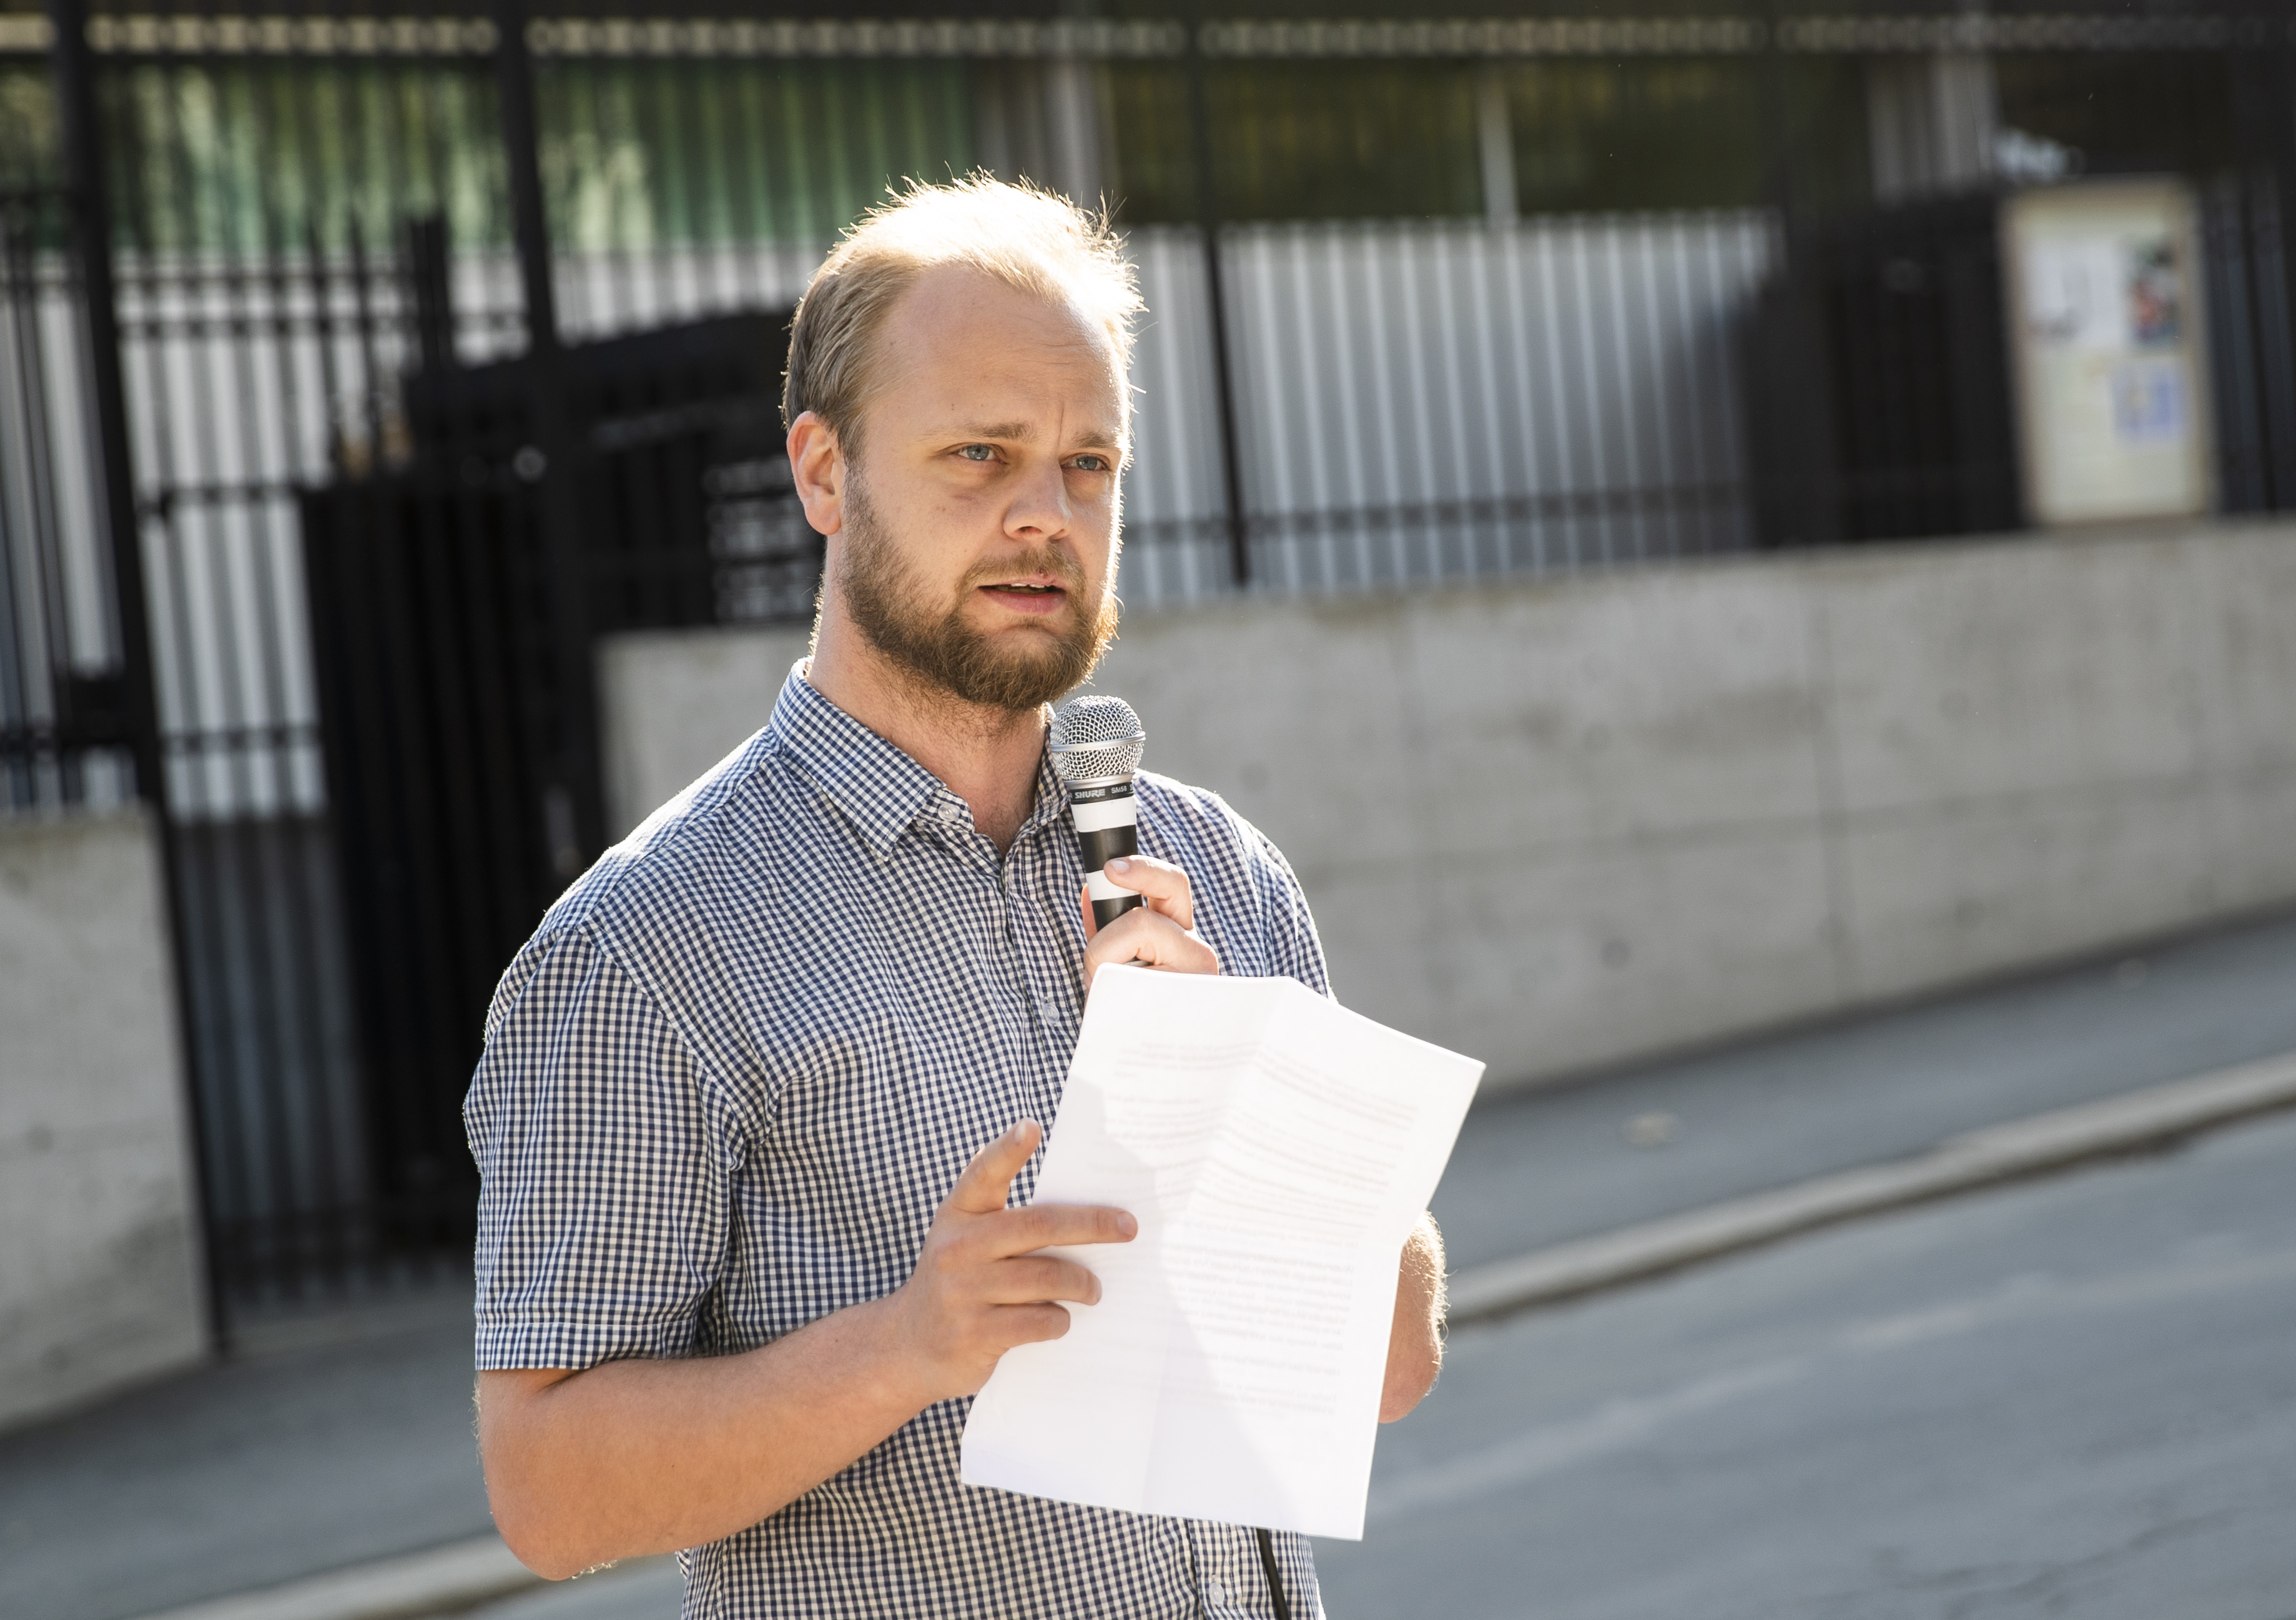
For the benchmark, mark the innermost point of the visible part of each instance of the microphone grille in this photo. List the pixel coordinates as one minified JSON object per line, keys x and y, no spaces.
{"x":1097,"y":739}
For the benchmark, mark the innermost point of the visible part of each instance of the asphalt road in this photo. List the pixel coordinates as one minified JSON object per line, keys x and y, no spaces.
{"x":2071,"y":1397}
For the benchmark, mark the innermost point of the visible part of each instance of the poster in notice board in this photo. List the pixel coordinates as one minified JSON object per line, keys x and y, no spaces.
{"x":2107,"y":328}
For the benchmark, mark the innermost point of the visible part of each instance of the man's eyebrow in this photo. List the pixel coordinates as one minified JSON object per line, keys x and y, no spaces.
{"x":1021,"y":432}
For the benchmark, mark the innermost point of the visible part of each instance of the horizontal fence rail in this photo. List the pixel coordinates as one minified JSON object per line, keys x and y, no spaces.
{"x":257,"y":33}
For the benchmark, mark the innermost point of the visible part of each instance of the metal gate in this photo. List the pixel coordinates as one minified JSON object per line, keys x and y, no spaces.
{"x":462,"y":802}
{"x":335,"y":625}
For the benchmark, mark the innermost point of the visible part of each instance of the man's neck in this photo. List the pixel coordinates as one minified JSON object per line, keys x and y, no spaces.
{"x":988,"y":757}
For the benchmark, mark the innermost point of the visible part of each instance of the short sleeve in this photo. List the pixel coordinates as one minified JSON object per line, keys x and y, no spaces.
{"x":603,"y":1201}
{"x":1294,"y":949}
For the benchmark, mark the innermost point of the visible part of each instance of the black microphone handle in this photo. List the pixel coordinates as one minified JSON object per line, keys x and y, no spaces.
{"x":1106,"y":825}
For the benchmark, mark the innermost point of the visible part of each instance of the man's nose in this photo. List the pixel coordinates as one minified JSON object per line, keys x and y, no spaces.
{"x":1040,"y":502}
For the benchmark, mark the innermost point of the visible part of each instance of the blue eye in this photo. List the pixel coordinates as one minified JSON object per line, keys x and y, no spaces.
{"x":977,"y":452}
{"x":1092,"y":463}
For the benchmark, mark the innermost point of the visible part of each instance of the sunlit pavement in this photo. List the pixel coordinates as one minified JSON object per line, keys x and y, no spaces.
{"x":2075,"y":1396}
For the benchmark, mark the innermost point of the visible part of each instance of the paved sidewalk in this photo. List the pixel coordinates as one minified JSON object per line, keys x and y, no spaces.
{"x":1542,"y":1167}
{"x":336,"y":1440}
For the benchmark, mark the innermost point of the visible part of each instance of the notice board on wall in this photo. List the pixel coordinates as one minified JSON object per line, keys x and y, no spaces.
{"x":2107,"y":332}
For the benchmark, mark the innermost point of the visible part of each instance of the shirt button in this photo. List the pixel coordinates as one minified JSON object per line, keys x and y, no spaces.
{"x":1214,"y":1593}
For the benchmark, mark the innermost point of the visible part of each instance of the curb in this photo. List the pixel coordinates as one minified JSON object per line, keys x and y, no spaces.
{"x":2150,"y":1118}
{"x":459,"y":1575}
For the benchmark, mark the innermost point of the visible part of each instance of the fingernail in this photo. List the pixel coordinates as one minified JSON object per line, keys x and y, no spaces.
{"x":1119,"y":864}
{"x":1129,"y":1227}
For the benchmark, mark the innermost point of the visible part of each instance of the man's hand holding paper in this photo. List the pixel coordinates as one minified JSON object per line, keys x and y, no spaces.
{"x":1276,"y":1150}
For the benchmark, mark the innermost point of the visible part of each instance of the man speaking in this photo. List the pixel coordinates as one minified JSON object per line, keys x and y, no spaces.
{"x":757,"y":1115}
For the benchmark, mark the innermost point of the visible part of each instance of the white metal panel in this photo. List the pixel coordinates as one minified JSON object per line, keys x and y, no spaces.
{"x":1423,"y":400}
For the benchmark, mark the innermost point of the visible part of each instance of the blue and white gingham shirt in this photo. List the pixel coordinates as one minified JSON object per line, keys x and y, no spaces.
{"x":735,"y":1071}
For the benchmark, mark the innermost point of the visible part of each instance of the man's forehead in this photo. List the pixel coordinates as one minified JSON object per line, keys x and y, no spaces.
{"x":954,"y":307}
{"x":941,"y":291}
{"x":998,"y":362}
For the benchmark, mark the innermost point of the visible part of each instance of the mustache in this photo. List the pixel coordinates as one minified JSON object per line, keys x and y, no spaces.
{"x":1044,"y":560}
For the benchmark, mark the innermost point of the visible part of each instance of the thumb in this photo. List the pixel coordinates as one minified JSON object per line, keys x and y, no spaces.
{"x":981,"y":1190}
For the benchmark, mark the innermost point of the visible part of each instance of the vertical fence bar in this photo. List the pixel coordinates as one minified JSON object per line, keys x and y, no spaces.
{"x":2275,"y":113}
{"x":574,"y":822}
{"x":88,"y":205}
{"x":1802,"y":447}
{"x":1239,"y":538}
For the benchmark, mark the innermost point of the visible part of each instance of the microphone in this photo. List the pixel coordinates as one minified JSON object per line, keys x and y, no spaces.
{"x":1095,"y":746}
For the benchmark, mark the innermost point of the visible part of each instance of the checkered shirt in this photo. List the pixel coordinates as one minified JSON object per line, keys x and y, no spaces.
{"x":735,"y":1071}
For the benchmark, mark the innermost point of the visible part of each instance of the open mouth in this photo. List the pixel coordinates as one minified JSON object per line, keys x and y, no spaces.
{"x":1028,"y":595}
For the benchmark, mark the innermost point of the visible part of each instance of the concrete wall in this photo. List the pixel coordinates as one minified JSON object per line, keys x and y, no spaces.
{"x":100,"y":1283}
{"x":1566,"y":823}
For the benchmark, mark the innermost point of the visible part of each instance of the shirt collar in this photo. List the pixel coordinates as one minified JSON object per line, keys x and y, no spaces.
{"x":879,"y":787}
{"x":1051,"y":797}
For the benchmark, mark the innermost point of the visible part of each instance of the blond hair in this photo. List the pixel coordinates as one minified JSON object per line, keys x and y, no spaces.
{"x":1032,"y":240}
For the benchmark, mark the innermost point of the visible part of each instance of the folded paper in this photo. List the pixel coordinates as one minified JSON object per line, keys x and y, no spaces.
{"x":1277,"y":1149}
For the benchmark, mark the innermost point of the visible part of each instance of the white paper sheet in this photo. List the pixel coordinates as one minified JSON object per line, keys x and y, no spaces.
{"x":1277,"y":1149}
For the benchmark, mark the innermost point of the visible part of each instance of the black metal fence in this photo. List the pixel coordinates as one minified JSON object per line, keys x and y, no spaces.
{"x":362,"y":369}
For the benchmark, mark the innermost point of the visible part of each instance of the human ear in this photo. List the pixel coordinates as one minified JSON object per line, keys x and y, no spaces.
{"x":817,"y":468}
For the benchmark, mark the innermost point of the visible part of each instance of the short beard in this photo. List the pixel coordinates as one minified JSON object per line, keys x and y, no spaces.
{"x":938,"y":647}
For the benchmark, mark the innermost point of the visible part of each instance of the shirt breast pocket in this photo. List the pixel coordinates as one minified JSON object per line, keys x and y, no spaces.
{"x":833,"y":1183}
{"x":874,"y":1117}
